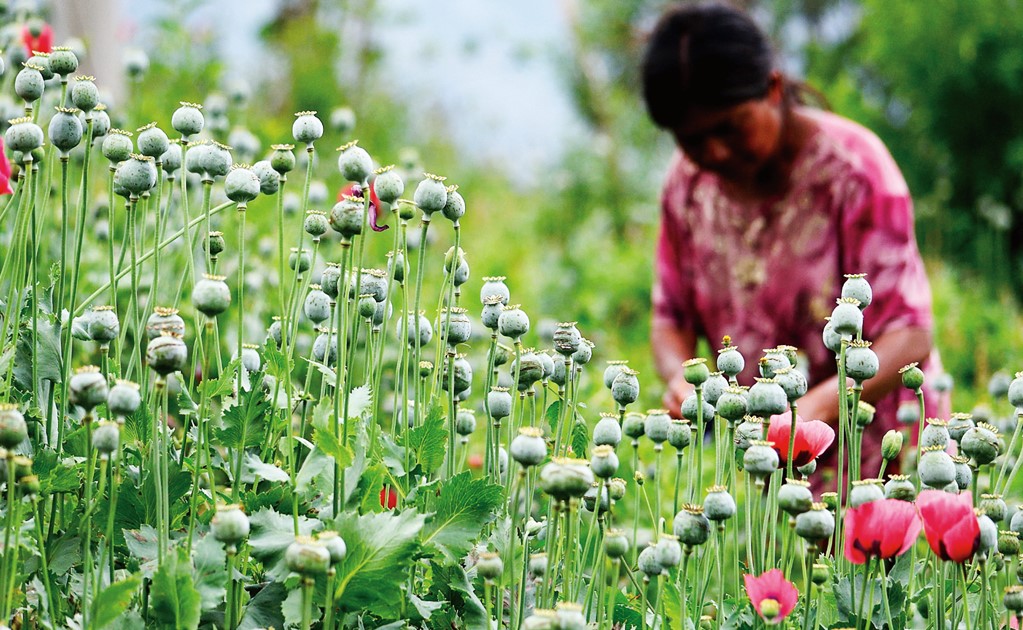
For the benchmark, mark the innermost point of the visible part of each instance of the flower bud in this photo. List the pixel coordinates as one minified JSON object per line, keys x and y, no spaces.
{"x":864,"y":413}
{"x":529,"y":448}
{"x":211,"y":295}
{"x":124,"y":398}
{"x":307,"y":557}
{"x":431,"y":195}
{"x":230,"y":525}
{"x":891,"y":445}
{"x":691,"y":525}
{"x":719,"y":505}
{"x":88,"y":388}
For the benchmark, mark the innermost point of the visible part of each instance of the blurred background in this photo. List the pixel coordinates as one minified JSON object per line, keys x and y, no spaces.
{"x":532,"y":108}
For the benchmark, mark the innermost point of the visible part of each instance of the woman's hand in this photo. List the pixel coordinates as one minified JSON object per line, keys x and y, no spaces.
{"x":677,"y":391}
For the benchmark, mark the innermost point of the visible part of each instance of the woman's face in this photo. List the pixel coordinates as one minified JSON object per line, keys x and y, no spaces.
{"x":736,"y":142}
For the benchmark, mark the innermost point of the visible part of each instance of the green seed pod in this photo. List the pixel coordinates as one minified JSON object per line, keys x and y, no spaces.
{"x":935,"y":433}
{"x":567,"y":339}
{"x":152,"y":141}
{"x":1013,"y":599}
{"x":23,"y":135}
{"x":634,"y":425}
{"x":29,"y":83}
{"x":564,"y":479}
{"x":994,"y":506}
{"x":460,"y":372}
{"x":456,"y":324}
{"x":88,"y":388}
{"x":847,"y":318}
{"x":117,"y":146}
{"x":792,"y":382}
{"x":860,"y":361}
{"x":65,"y":130}
{"x":316,"y":224}
{"x":891,"y":445}
{"x":714,"y":387}
{"x":347,"y":216}
{"x":772,"y":361}
{"x":241,"y":185}
{"x":583,"y":355}
{"x":13,"y":428}
{"x":864,"y":414}
{"x":137,"y":174}
{"x":124,"y":398}
{"x":397,"y":268}
{"x":857,"y":288}
{"x":912,"y":376}
{"x":188,"y":119}
{"x":465,"y":422}
{"x":690,"y":410}
{"x":680,"y":434}
{"x":668,"y":550}
{"x":513,"y":322}
{"x":171,"y":159}
{"x":730,"y":361}
{"x":766,"y":398}
{"x":936,"y":468}
{"x":750,"y":430}
{"x":499,"y":401}
{"x":560,"y":374}
{"x":63,"y":61}
{"x":317,"y":305}
{"x":367,"y":306}
{"x":731,"y":405}
{"x":166,"y":353}
{"x":431,"y":195}
{"x":165,"y":319}
{"x":490,"y":566}
{"x":988,"y":532}
{"x":217,"y":162}
{"x":418,"y":326}
{"x":307,"y":128}
{"x":494,"y":285}
{"x":355,"y":163}
{"x":29,"y":486}
{"x":302,"y":260}
{"x":230,"y":525}
{"x":282,"y":160}
{"x":106,"y":438}
{"x":547,"y":361}
{"x":760,"y":459}
{"x":251,"y":360}
{"x":832,"y":340}
{"x":196,"y":157}
{"x":616,"y":488}
{"x":136,"y":63}
{"x":691,"y":525}
{"x":388,"y":184}
{"x":648,"y":563}
{"x":900,"y":487}
{"x":607,"y":431}
{"x":604,"y":462}
{"x":590,"y":499}
{"x":84,"y":94}
{"x":959,"y":424}
{"x":964,"y":474}
{"x":541,"y":620}
{"x":335,"y":545}
{"x":269,"y":180}
{"x":538,"y":565}
{"x":308,"y":557}
{"x":211,"y":295}
{"x":795,"y":497}
{"x":865,"y":491}
{"x":820,"y":574}
{"x":325,"y":347}
{"x":695,"y":371}
{"x":719,"y":505}
{"x":908,"y":413}
{"x":625,"y":391}
{"x":530,"y":370}
{"x":100,"y":121}
{"x":981,"y":443}
{"x":815,"y":525}
{"x":330,"y":280}
{"x":1008,"y":543}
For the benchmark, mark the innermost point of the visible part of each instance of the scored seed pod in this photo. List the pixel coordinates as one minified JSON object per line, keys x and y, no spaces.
{"x":88,"y":388}
{"x":211,"y":295}
{"x":456,"y":324}
{"x":307,"y":557}
{"x":165,"y":319}
{"x":167,"y":353}
{"x":230,"y":525}
{"x":529,"y":369}
{"x":566,"y":338}
{"x":958,"y":424}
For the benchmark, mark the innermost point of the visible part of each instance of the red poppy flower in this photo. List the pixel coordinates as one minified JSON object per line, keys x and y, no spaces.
{"x":5,"y":172}
{"x":388,"y":498}
{"x":475,"y":461}
{"x":39,"y":42}
{"x":813,"y":437}
{"x":880,"y":529}
{"x":772,"y":595}
{"x":950,"y":524}
{"x":355,"y":190}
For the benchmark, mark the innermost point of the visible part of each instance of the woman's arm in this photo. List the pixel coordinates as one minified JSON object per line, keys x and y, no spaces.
{"x":894,"y":349}
{"x":672,"y":346}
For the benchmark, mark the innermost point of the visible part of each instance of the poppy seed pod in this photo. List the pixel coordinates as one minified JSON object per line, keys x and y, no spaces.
{"x":124,"y":398}
{"x":103,"y":324}
{"x":772,"y":361}
{"x":269,"y":181}
{"x":649,"y":563}
{"x":65,"y":130}
{"x":795,"y":497}
{"x":616,"y":543}
{"x":958,"y":424}
{"x":936,"y":468}
{"x":691,"y":408}
{"x":760,"y":459}
{"x":513,"y":322}
{"x":171,"y":159}
{"x":857,"y":288}
{"x":900,"y":487}
{"x":494,"y":285}
{"x":152,"y":141}
{"x":165,"y":319}
{"x":832,"y":340}
{"x":847,"y":318}
{"x":935,"y":433}
{"x":565,"y":478}
{"x":317,"y":305}
{"x":29,"y":83}
{"x":714,"y":387}
{"x":307,"y":557}
{"x":490,"y":566}
{"x":634,"y":425}
{"x":137,"y":174}
{"x":719,"y":505}
{"x":607,"y":431}
{"x":106,"y":438}
{"x":912,"y":376}
{"x":964,"y":474}
{"x":117,"y":146}
{"x":981,"y":443}
{"x":13,"y":428}
{"x":499,"y":402}
{"x":388,"y":184}
{"x":465,"y":422}
{"x":347,"y":216}
{"x":625,"y":388}
{"x":167,"y":353}
{"x":63,"y":61}
{"x":732,"y":404}
{"x":566,"y":338}
{"x":749,"y":430}
{"x":604,"y":461}
{"x":88,"y":388}
{"x":730,"y":362}
{"x":241,"y":185}
{"x":860,"y":361}
{"x":84,"y":94}
{"x":547,"y":361}
{"x":230,"y":525}
{"x":695,"y":371}
{"x":335,"y":545}
{"x":100,"y":121}
{"x":792,"y":382}
{"x":299,"y":260}
{"x":354,"y":162}
{"x":456,"y":324}
{"x":418,"y":327}
{"x":431,"y":194}
{"x":691,"y":525}
{"x":307,"y":128}
{"x":23,"y":135}
{"x":457,"y":373}
{"x":1015,"y":391}
{"x":325,"y":347}
{"x":815,"y":525}
{"x":766,"y":398}
{"x":680,"y":435}
{"x":865,"y":491}
{"x":583,"y":354}
{"x":668,"y":551}
{"x":994,"y":506}
{"x":211,"y":295}
{"x":454,"y":209}
{"x":282,"y":160}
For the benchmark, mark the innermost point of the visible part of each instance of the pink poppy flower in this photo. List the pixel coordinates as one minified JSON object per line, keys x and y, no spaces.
{"x":880,"y":529}
{"x":772,"y":596}
{"x":950,"y":524}
{"x":813,"y":437}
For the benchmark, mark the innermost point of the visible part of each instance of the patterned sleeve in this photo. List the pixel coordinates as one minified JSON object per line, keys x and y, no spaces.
{"x":672,"y":290}
{"x":880,"y":242}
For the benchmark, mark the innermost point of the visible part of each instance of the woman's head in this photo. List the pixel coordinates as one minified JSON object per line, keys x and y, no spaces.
{"x":709,"y":78}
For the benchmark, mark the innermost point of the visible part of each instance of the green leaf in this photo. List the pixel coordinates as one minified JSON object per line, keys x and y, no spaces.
{"x":332,"y":447}
{"x":244,"y":422}
{"x":292,"y":608}
{"x":142,"y":544}
{"x":271,"y":534}
{"x":464,"y":507}
{"x":255,"y":469}
{"x":360,"y":401}
{"x":65,"y":552}
{"x":264,"y":610}
{"x":54,"y":476}
{"x":174,"y":602}
{"x":580,"y":437}
{"x":210,"y":571}
{"x":138,"y":429}
{"x":381,"y":548}
{"x":277,"y":365}
{"x":429,"y":441}
{"x":424,"y":609}
{"x":223,"y":385}
{"x":113,"y":601}
{"x":452,"y":584}
{"x":46,"y":352}
{"x":551,"y":416}
{"x":328,"y":373}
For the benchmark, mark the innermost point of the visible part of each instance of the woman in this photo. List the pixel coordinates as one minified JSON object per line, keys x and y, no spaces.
{"x":766,"y":206}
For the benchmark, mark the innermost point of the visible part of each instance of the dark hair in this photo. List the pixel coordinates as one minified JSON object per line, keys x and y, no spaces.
{"x":708,"y":55}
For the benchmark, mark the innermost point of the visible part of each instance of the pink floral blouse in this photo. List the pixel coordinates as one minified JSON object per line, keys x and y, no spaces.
{"x":768,"y":274}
